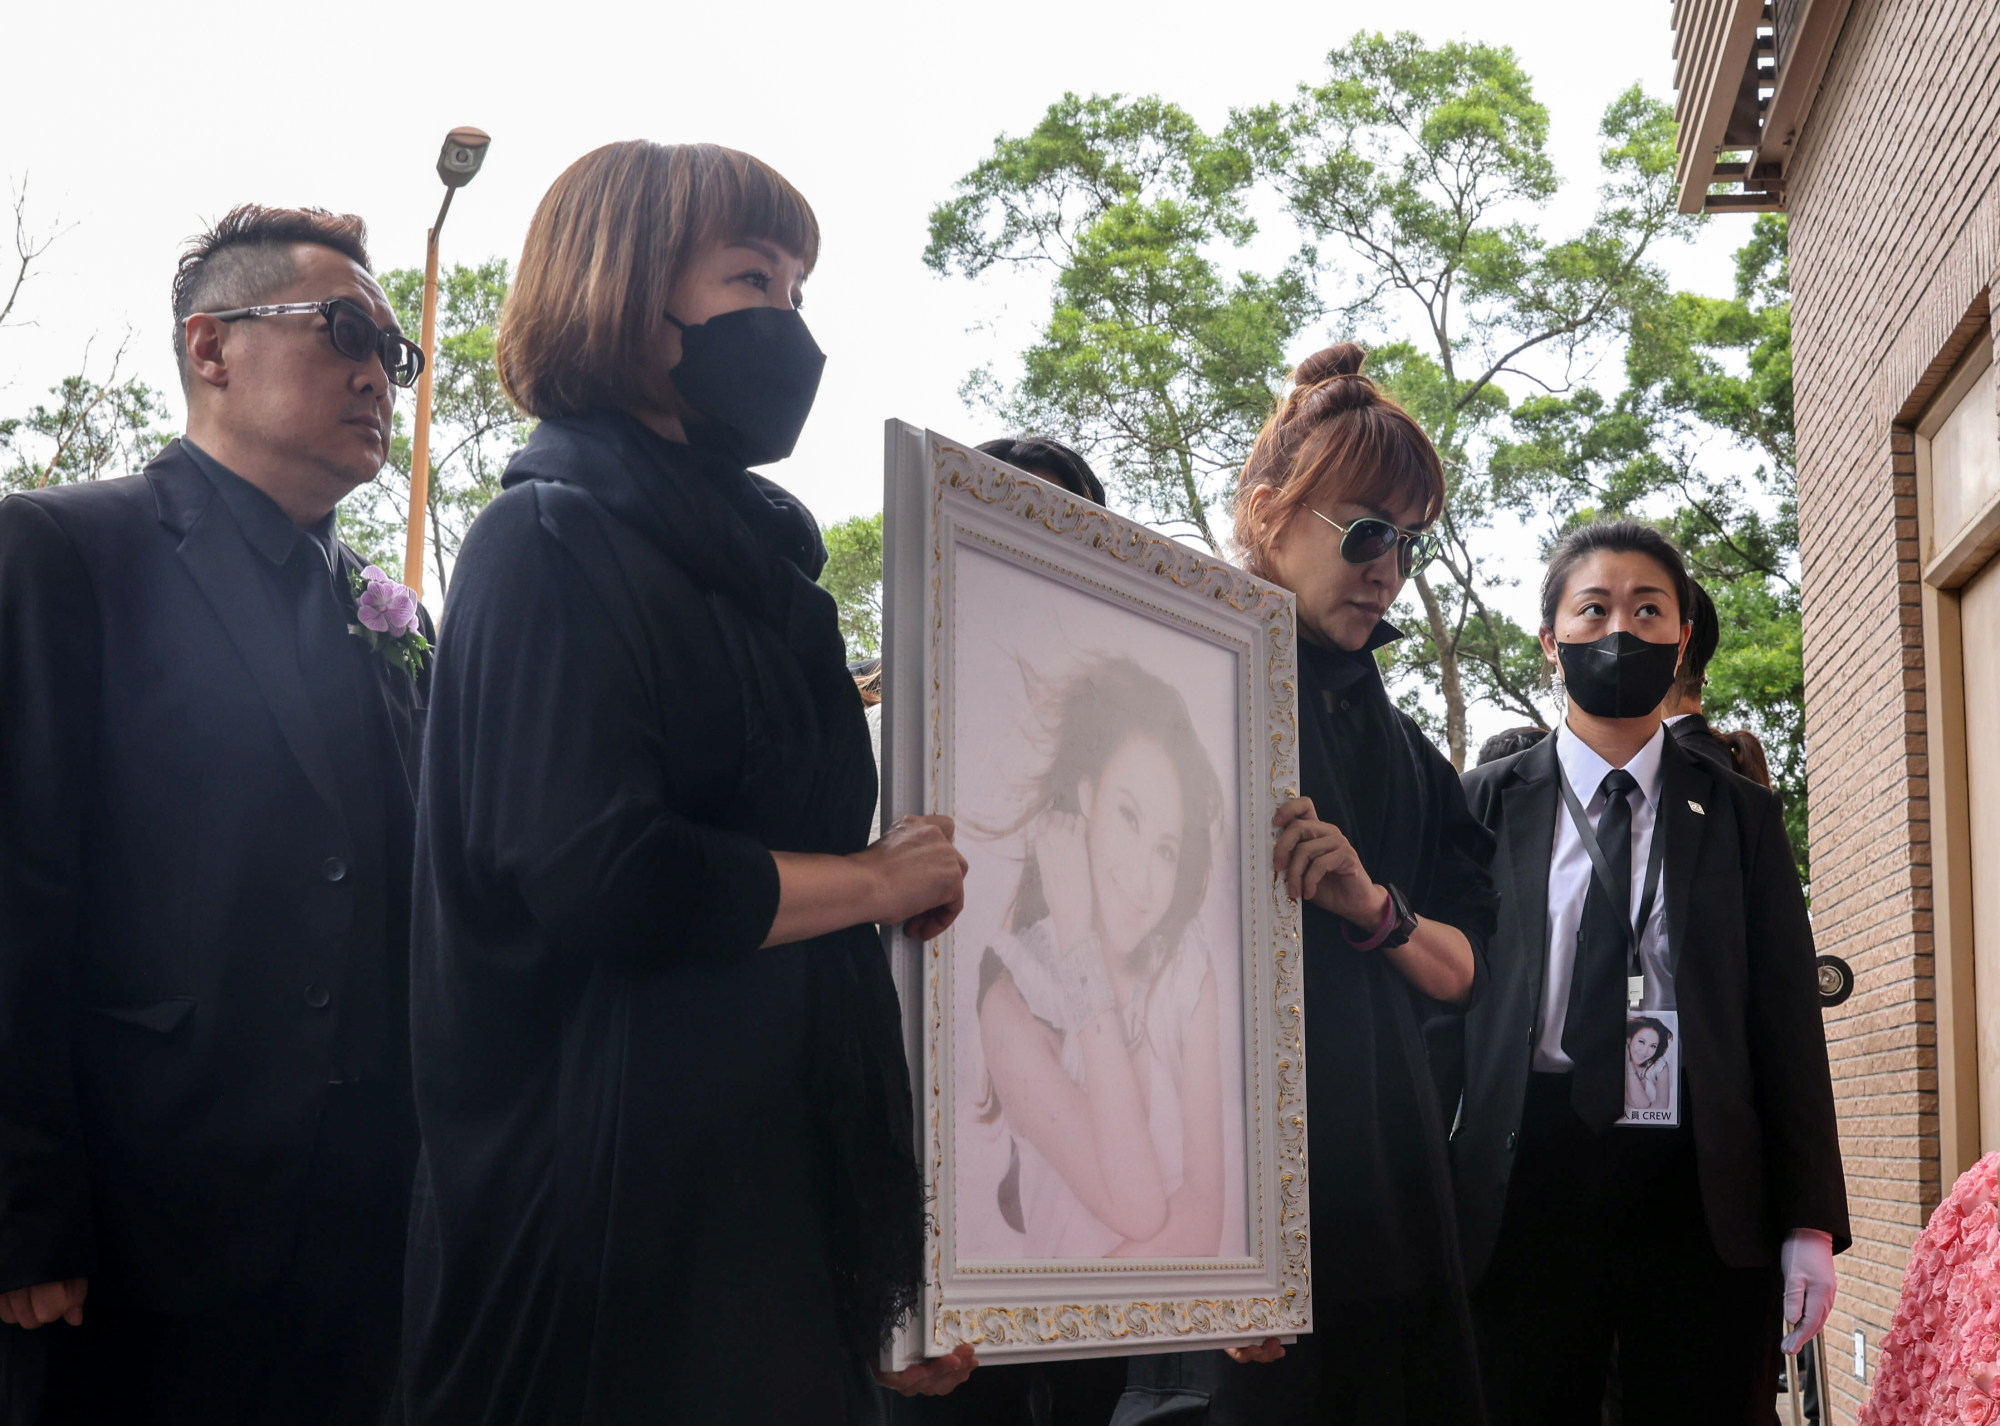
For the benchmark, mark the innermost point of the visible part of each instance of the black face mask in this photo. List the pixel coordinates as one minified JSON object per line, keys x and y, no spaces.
{"x":1618,"y":676}
{"x":754,"y":374}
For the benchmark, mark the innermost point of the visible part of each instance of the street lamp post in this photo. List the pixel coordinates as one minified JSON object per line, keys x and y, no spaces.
{"x":464,"y":150}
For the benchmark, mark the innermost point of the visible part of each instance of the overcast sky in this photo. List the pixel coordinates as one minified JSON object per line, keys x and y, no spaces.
{"x":140,"y":122}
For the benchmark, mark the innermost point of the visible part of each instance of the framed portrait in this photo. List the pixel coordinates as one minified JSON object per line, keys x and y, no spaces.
{"x":1108,"y":1045}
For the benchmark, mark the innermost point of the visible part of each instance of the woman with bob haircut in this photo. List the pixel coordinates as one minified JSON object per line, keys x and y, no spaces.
{"x":1647,"y":1095}
{"x":659,"y":1067}
{"x":1335,"y":504}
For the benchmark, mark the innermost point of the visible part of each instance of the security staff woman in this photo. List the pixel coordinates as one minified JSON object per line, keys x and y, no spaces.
{"x":1648,"y":1152}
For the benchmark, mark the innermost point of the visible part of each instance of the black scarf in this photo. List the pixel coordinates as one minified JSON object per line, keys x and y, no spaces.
{"x":808,"y":785}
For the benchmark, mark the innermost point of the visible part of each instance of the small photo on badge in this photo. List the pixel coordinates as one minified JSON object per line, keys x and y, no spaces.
{"x":1652,"y":1068}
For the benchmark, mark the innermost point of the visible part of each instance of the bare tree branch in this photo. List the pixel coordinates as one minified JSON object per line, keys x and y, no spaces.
{"x":26,"y":250}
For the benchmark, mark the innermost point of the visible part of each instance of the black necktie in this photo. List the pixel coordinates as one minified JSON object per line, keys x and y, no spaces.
{"x":1594,"y":1032}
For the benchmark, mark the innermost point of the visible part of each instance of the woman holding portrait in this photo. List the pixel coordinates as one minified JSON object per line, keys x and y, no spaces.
{"x":1336,"y":504}
{"x":658,"y":1060}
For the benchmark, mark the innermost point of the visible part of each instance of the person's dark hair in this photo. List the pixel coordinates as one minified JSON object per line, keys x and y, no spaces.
{"x":606,"y":245}
{"x":1701,"y":645}
{"x":249,"y":256}
{"x":1084,"y":721}
{"x":1613,"y":537}
{"x":1514,"y":740}
{"x":1748,"y":755}
{"x":1051,"y":460}
{"x":1335,"y":436}
{"x":1647,"y":1022}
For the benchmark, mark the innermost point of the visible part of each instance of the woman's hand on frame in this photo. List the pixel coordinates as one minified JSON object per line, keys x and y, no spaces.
{"x":1268,"y":1350}
{"x":921,"y":875}
{"x":934,"y":1376}
{"x":1320,"y":865}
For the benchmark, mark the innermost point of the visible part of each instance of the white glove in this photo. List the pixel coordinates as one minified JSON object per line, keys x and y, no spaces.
{"x":1807,"y":1262}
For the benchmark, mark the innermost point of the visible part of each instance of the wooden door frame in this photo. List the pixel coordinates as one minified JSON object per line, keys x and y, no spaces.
{"x":1945,"y":570}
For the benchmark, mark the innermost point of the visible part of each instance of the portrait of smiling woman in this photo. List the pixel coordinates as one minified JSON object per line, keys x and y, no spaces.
{"x":1647,"y":1041}
{"x":659,"y":1068}
{"x":1097,"y":1002}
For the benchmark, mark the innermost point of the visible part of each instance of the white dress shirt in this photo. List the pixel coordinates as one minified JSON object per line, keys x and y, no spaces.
{"x":1569,"y":884}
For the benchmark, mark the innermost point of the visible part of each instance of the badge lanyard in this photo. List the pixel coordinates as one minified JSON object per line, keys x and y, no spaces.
{"x":1635,"y":977}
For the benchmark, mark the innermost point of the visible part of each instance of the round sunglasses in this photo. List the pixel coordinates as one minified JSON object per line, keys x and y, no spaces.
{"x":353,"y":334}
{"x":1369,"y":538}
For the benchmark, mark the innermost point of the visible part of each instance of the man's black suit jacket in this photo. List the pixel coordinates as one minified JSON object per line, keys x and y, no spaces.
{"x":1759,"y":1096}
{"x":175,"y":894}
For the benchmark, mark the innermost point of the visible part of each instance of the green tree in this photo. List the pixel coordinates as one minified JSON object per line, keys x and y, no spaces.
{"x":1427,"y":166}
{"x":1413,"y":175}
{"x":475,"y":429}
{"x":853,"y":576}
{"x":92,"y":429}
{"x":1701,"y":442}
{"x":1155,"y":360}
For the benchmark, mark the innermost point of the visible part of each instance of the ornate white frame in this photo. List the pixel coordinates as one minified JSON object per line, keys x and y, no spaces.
{"x":938,"y":495}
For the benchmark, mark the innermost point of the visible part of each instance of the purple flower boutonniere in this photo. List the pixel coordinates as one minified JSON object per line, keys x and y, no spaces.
{"x":387,"y":615}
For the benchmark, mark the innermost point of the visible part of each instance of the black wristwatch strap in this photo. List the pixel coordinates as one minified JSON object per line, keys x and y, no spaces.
{"x":1406,"y":919}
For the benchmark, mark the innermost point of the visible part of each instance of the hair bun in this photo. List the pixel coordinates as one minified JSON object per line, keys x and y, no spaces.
{"x":1340,"y":359}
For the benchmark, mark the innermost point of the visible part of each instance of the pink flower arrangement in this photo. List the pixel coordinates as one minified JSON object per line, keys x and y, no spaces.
{"x":388,"y":620}
{"x":1940,"y":1362}
{"x":384,"y":605}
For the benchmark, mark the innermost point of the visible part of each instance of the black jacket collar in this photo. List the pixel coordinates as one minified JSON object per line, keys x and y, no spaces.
{"x":219,"y":559}
{"x":1692,"y":724}
{"x":269,"y":529}
{"x":716,"y":520}
{"x":1338,"y":668}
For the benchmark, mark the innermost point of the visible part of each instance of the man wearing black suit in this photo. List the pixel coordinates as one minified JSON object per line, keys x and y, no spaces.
{"x":206,"y":793}
{"x":1679,"y":1208}
{"x":1685,"y":723}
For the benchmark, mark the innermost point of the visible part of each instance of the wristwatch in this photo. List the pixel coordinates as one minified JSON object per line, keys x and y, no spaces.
{"x":1399,"y":922}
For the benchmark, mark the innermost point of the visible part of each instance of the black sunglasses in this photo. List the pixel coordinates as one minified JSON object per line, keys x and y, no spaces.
{"x":1368,"y":539}
{"x":353,"y":334}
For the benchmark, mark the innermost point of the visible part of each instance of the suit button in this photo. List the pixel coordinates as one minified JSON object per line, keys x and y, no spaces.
{"x":333,"y":869}
{"x":316,"y":996}
{"x":1512,"y":1139}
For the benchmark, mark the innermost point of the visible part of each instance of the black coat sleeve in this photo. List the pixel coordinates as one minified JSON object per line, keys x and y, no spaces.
{"x":1794,"y":1087}
{"x":1459,"y":888}
{"x":49,"y":681}
{"x":575,"y":762}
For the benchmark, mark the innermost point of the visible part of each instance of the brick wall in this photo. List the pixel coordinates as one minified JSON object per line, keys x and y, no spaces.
{"x":1895,"y":213}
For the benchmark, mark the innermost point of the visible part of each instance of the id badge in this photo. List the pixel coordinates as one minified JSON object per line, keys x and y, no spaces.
{"x":1652,"y":1068}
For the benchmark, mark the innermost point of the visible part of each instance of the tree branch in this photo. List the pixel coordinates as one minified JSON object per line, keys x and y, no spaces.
{"x":26,"y":250}
{"x":72,"y":426}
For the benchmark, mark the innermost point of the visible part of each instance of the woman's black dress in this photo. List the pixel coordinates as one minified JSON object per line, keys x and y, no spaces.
{"x":667,"y":1175}
{"x":1392,"y":1340}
